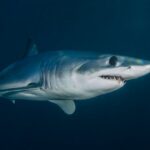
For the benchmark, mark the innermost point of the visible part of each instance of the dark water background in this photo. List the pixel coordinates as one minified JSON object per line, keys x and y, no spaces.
{"x":120,"y":120}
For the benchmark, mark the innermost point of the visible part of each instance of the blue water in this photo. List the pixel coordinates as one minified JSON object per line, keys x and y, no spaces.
{"x":120,"y":120}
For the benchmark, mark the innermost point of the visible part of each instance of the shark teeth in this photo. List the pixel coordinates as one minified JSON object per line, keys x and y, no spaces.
{"x":118,"y":78}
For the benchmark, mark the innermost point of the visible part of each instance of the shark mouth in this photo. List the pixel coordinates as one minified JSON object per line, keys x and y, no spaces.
{"x":116,"y":78}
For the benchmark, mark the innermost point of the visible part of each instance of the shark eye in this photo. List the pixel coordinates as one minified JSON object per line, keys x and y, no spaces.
{"x":113,"y":60}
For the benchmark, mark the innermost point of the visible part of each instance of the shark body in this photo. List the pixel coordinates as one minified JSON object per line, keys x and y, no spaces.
{"x":63,"y":78}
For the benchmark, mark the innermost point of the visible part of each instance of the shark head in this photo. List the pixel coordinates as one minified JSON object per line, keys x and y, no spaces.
{"x":110,"y":72}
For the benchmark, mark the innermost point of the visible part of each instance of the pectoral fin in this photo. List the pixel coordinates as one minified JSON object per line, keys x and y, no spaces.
{"x":68,"y":106}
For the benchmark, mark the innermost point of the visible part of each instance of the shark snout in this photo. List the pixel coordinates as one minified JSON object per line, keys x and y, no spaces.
{"x":133,"y":72}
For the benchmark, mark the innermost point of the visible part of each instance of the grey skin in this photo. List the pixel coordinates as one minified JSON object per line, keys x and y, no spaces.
{"x":62,"y":78}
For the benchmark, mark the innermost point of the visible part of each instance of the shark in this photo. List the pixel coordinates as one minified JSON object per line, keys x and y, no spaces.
{"x":63,"y":78}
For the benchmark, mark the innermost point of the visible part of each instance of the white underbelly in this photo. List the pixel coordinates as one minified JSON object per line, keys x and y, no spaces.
{"x":45,"y":95}
{"x":37,"y":94}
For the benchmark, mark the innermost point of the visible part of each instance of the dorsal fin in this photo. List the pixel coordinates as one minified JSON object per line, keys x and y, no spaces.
{"x":13,"y":101}
{"x":31,"y":48}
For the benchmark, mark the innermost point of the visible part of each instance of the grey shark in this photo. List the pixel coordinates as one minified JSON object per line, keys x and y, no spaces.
{"x":63,"y":78}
